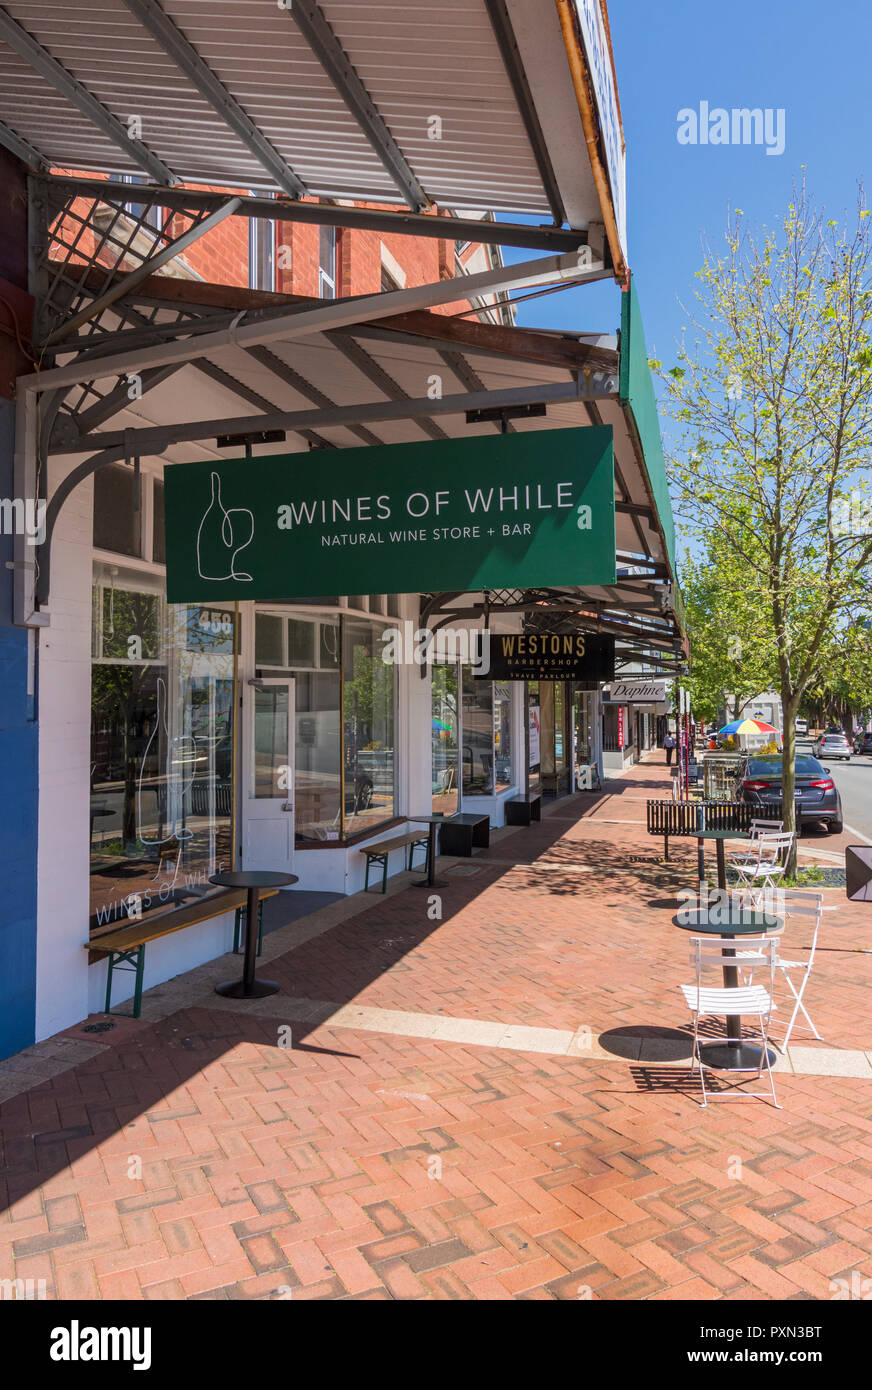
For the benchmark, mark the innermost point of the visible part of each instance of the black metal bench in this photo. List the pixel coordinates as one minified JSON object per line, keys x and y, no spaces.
{"x":684,"y":819}
{"x":378,"y":854}
{"x":521,"y":810}
{"x":464,"y":832}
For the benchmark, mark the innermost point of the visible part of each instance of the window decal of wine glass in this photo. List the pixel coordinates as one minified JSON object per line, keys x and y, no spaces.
{"x":222,"y":534}
{"x":173,"y":788}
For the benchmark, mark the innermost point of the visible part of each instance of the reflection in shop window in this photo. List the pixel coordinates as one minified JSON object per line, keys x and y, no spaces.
{"x":478,"y":736}
{"x":161,"y":751}
{"x":443,"y":733}
{"x":534,"y":737}
{"x":344,"y":777}
{"x":502,"y":735}
{"x":317,"y":770}
{"x":368,"y":719}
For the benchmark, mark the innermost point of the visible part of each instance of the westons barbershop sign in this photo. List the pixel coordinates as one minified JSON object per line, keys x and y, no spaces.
{"x":531,"y":509}
{"x":525,"y":656}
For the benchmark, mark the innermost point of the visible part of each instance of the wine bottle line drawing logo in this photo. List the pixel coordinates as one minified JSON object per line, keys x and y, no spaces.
{"x":222,"y":535}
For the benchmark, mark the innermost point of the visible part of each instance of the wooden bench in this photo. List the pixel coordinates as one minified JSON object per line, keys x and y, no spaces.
{"x":521,"y":810}
{"x":378,"y":854}
{"x":463,"y":832}
{"x":126,"y":947}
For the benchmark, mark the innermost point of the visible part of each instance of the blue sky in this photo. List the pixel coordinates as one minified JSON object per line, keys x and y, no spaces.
{"x":812,"y":59}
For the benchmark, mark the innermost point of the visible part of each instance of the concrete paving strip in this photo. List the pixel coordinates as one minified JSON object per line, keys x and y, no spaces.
{"x":516,"y":1037}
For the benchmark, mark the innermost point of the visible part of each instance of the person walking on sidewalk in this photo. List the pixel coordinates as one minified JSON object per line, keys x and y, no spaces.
{"x":669,"y":744}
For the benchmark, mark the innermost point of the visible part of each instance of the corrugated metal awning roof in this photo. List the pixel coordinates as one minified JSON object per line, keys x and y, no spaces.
{"x":468,"y":106}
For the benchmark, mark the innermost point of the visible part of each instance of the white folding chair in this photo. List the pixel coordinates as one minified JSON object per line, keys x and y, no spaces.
{"x":755,"y":830}
{"x":732,"y":1002}
{"x":796,"y":902}
{"x":765,"y":863}
{"x":810,"y":906}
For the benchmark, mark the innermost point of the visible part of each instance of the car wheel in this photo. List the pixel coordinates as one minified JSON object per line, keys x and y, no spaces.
{"x":835,"y":827}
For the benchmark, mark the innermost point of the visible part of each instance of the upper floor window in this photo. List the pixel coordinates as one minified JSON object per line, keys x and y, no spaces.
{"x":261,"y":253}
{"x":327,"y":262}
{"x":149,"y":216}
{"x":388,"y":282}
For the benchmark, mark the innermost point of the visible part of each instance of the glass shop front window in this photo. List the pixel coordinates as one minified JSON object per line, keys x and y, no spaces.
{"x":487,"y":735}
{"x":502,"y":735}
{"x":444,"y":724}
{"x":478,"y":736}
{"x":345,"y":763}
{"x":534,"y":737}
{"x":368,"y":728}
{"x":161,"y":815}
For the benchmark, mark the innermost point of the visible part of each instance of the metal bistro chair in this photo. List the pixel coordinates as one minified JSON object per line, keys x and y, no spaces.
{"x":755,"y":830}
{"x":764,"y":863}
{"x":796,"y":903}
{"x":724,"y":1002}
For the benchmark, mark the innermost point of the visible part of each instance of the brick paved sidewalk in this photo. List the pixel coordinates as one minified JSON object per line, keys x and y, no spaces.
{"x":416,"y":1114}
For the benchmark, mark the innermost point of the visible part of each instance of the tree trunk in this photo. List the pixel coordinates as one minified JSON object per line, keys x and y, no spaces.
{"x":789,"y":707}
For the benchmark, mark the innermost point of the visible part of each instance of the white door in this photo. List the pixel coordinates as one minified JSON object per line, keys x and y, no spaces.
{"x":268,"y":772}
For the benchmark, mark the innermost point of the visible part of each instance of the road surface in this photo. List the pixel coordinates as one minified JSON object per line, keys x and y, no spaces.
{"x":854,"y":781}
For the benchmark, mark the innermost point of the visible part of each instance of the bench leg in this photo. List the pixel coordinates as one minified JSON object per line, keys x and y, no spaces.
{"x":135,"y":960}
{"x":140,"y":972}
{"x":110,"y":963}
{"x":423,"y":844}
{"x":665,"y":846}
{"x":382,"y":861}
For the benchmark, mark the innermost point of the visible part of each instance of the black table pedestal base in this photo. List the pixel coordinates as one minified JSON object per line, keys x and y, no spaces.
{"x":734,"y":1056}
{"x":237,"y":989}
{"x":425,"y":883}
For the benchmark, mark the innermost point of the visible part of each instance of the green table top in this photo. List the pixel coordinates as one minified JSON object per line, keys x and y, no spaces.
{"x":722,"y":834}
{"x":735,"y":922}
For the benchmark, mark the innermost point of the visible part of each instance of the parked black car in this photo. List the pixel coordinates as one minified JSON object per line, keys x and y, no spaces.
{"x":863,"y":745}
{"x":816,"y":796}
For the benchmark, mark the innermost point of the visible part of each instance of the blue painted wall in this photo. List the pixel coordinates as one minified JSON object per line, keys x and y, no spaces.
{"x":18,"y":799}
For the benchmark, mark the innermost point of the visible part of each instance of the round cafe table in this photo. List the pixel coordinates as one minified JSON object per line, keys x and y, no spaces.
{"x":735,"y":1054}
{"x":253,"y":880}
{"x":719,"y":836}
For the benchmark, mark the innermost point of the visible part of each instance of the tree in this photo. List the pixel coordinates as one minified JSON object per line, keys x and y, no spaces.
{"x":774,"y":410}
{"x":732,"y":657}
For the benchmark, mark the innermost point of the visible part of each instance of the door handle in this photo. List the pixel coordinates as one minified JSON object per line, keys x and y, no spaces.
{"x":287,"y":806}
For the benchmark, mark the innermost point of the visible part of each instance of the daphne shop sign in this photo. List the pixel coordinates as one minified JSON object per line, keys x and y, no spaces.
{"x":495,"y":511}
{"x":635,"y":692}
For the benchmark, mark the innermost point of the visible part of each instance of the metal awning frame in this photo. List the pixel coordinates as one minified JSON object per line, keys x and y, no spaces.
{"x":540,"y":237}
{"x":107,"y":318}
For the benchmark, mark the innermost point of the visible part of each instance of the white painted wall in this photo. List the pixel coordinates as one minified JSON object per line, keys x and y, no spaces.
{"x":64,"y":694}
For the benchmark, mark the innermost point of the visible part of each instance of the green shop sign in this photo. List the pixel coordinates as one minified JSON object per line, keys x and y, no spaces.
{"x":493,"y":512}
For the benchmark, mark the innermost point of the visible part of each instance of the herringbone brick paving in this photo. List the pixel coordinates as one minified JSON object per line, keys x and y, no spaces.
{"x":201,"y":1157}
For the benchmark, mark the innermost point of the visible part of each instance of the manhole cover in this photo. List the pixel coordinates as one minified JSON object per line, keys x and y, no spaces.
{"x":97,"y":1027}
{"x":461,"y":869}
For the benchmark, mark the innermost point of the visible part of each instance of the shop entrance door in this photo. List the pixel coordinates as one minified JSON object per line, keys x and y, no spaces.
{"x":268,"y":776}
